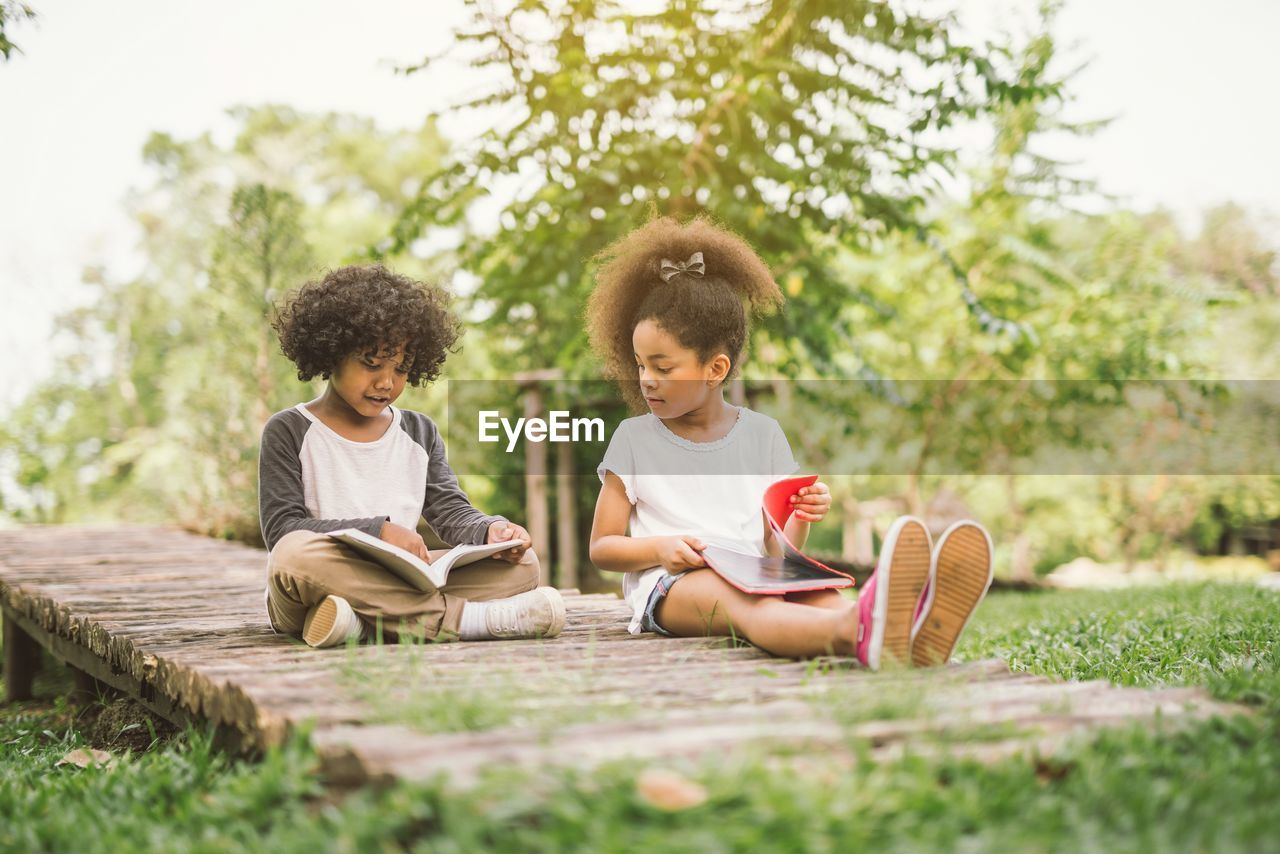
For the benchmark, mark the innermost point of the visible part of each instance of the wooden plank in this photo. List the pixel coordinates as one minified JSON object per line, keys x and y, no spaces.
{"x":86,"y":662}
{"x":355,"y":754}
{"x":177,"y":621}
{"x":21,"y":661}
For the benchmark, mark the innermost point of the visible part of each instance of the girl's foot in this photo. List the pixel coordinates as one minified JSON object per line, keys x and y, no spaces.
{"x":958,"y":579}
{"x":888,"y":602}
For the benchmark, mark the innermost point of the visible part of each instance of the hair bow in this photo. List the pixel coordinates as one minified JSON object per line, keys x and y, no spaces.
{"x":667,"y":268}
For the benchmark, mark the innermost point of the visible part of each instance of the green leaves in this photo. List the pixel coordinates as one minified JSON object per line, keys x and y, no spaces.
{"x":168,"y":377}
{"x":12,"y":11}
{"x":784,"y":120}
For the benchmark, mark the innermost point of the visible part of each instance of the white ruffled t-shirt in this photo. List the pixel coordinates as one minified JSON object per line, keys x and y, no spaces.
{"x":711,"y":490}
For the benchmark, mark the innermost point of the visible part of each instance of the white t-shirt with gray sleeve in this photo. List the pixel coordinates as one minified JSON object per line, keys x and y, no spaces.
{"x":310,"y":478}
{"x":711,"y":490}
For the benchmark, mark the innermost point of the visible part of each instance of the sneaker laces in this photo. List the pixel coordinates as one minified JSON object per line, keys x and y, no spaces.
{"x":515,"y":616}
{"x":503,"y":617}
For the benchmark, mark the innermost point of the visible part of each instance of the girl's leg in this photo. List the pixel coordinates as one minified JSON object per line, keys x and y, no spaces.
{"x":820,"y":599}
{"x":702,"y":603}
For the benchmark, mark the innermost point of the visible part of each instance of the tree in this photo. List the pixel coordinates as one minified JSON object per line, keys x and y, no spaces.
{"x":819,"y":130}
{"x":810,"y":127}
{"x":1231,"y":251}
{"x":11,"y":12}
{"x":155,"y":412}
{"x":235,"y":378}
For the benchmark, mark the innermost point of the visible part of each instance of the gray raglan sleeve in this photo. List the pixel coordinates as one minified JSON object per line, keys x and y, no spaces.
{"x":281,"y":506}
{"x":445,"y":506}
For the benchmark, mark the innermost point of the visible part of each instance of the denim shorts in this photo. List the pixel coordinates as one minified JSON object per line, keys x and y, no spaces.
{"x":649,"y":623}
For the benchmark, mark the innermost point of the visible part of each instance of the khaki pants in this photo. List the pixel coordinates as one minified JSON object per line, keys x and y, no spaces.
{"x":305,"y":567}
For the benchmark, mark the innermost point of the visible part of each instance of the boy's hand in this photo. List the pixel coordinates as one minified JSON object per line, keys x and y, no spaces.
{"x":677,"y":554}
{"x":410,"y":541}
{"x":501,"y":531}
{"x":811,"y":503}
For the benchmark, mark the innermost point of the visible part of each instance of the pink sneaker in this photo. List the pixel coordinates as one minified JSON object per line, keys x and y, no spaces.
{"x":887,"y":603}
{"x":959,"y":577}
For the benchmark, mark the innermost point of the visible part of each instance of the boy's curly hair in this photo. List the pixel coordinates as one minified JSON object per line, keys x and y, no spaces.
{"x":705,"y":314}
{"x":366,"y":309}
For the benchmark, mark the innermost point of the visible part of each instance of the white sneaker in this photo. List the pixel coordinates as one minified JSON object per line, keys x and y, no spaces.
{"x":332,"y":623}
{"x":539,"y":613}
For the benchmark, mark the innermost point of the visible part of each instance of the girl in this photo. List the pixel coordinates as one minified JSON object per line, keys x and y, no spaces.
{"x":669,"y":321}
{"x":350,"y":459}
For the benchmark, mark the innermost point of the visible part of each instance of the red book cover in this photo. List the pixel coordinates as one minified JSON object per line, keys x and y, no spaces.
{"x":794,"y":571}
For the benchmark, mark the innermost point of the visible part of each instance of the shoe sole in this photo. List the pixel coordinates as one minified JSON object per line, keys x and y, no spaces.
{"x":961,"y":576}
{"x":904,"y":564}
{"x":319,"y":623}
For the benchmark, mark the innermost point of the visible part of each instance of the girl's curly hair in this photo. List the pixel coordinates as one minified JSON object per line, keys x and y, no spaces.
{"x":366,"y":309}
{"x":705,"y":314}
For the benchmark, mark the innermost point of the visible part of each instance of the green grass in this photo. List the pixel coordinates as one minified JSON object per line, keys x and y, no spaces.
{"x":1211,"y":786}
{"x":1223,"y":637}
{"x":409,"y":689}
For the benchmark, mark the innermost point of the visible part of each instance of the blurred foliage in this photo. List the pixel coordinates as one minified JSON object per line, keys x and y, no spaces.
{"x":1099,"y":306}
{"x":812,"y":128}
{"x":158,"y":400}
{"x":822,"y":131}
{"x":12,"y":12}
{"x":1231,"y":251}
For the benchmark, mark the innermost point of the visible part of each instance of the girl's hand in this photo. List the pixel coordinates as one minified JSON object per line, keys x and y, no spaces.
{"x":811,"y":503}
{"x":677,"y":554}
{"x":500,"y":531}
{"x":410,"y":541}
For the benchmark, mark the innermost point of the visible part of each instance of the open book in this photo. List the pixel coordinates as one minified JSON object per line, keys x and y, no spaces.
{"x":415,"y":571}
{"x":794,"y":571}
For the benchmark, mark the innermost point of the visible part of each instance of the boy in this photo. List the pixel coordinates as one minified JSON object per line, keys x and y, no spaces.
{"x":349,"y":459}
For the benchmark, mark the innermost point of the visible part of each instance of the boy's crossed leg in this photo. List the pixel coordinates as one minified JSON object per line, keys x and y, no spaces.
{"x":306,"y":567}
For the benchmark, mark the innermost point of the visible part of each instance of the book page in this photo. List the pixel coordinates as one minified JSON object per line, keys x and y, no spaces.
{"x":407,"y":566}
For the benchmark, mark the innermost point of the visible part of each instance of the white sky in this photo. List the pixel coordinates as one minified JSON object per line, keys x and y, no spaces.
{"x":1192,"y":87}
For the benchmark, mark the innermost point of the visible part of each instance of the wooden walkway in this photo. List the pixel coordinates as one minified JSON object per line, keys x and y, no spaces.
{"x":177,"y":622}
